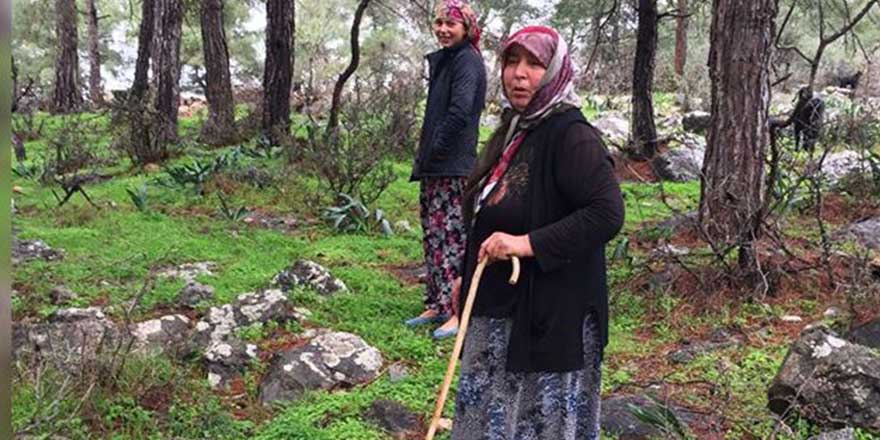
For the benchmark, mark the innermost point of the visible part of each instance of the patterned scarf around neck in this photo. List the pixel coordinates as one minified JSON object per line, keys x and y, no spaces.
{"x":556,"y":92}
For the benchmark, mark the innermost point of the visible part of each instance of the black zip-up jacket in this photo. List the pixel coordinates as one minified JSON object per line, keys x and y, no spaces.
{"x":573,"y":208}
{"x":456,"y":97}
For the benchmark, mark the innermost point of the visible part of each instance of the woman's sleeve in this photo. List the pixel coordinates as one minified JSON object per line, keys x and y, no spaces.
{"x":584,"y":175}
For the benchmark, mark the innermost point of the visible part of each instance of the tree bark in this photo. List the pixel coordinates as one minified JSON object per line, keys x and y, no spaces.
{"x":96,"y":94}
{"x":278,"y":70}
{"x":644,"y":131}
{"x":731,"y":193}
{"x":219,"y":129}
{"x":333,"y":122}
{"x":15,"y":92}
{"x":166,"y":65}
{"x":681,"y":31}
{"x":145,"y":44}
{"x":66,"y":97}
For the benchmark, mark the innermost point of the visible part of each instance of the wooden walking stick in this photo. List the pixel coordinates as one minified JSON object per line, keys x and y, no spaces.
{"x":459,"y":339}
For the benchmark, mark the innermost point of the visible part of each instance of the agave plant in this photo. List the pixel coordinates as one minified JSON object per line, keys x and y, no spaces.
{"x":230,"y":213}
{"x":351,"y":215}
{"x":138,"y":197}
{"x":662,"y":417}
{"x":262,"y":150}
{"x":198,"y":173}
{"x":26,"y":171}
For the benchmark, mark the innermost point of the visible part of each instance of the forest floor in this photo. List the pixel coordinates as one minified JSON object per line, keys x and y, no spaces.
{"x":658,"y":304}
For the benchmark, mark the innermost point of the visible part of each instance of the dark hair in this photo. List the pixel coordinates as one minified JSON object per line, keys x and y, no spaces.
{"x":491,"y":154}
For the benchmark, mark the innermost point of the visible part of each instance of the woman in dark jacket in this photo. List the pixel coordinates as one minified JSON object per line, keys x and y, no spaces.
{"x":544,"y":192}
{"x":447,"y":153}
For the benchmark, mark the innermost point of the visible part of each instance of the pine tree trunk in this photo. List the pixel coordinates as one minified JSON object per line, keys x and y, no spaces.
{"x":731,"y":194}
{"x":644,"y":131}
{"x":278,"y":70}
{"x":145,"y":44}
{"x":96,"y":94}
{"x":66,"y":97}
{"x":681,"y":31}
{"x":15,"y":91}
{"x":166,"y":66}
{"x":219,"y":129}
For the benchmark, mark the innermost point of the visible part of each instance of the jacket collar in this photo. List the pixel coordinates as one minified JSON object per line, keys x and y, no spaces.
{"x":447,"y":51}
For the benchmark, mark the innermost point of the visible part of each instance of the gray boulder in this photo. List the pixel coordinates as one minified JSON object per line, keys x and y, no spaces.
{"x":329,"y":360}
{"x":681,"y":164}
{"x":696,"y":121}
{"x":614,"y":128}
{"x":839,"y":166}
{"x":309,"y":275}
{"x":866,"y":232}
{"x":220,"y":323}
{"x":70,"y":340}
{"x":189,"y":271}
{"x":226,"y":360}
{"x":194,"y":293}
{"x":27,"y":250}
{"x":617,"y":417}
{"x":396,"y":419}
{"x":167,"y":335}
{"x":829,"y":381}
{"x":867,"y":334}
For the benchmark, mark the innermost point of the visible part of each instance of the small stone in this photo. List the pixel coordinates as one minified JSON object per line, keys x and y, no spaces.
{"x":61,"y":294}
{"x":403,"y":226}
{"x":189,"y":271}
{"x":831,"y":313}
{"x":791,"y":318}
{"x":301,"y":313}
{"x":394,"y":418}
{"x":696,"y":121}
{"x":680,"y":357}
{"x":841,"y":434}
{"x":194,"y":293}
{"x":311,"y":275}
{"x":397,"y":373}
{"x":719,"y":335}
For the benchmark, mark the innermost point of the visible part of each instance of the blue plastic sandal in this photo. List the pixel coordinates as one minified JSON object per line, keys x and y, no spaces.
{"x":443,"y":334}
{"x":422,"y":320}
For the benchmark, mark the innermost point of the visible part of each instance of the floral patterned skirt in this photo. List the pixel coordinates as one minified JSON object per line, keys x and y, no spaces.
{"x":494,"y":404}
{"x":444,"y":240}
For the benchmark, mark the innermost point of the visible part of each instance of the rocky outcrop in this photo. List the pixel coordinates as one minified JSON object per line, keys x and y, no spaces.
{"x":829,"y":381}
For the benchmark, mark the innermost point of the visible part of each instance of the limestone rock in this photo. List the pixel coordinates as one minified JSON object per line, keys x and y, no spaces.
{"x":331,"y":359}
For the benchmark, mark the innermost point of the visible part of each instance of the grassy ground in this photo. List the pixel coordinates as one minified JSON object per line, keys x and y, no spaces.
{"x":110,"y":250}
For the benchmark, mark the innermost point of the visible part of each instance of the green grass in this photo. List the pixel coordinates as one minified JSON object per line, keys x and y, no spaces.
{"x":108,"y":252}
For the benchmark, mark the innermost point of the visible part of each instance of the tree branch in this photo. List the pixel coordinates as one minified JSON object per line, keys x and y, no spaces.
{"x":851,"y":24}
{"x":352,"y":66}
{"x":785,"y":23}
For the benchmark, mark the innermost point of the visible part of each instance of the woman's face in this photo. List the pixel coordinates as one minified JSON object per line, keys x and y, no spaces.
{"x":521,"y":75}
{"x":448,"y":32}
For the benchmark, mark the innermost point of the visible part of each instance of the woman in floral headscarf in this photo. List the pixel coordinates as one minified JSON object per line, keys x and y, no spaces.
{"x":544,"y":191}
{"x":447,"y":153}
